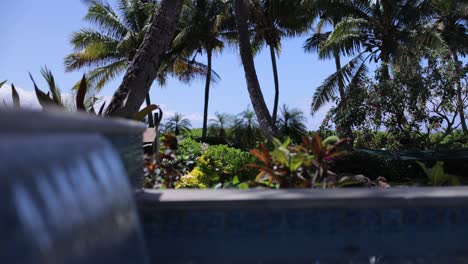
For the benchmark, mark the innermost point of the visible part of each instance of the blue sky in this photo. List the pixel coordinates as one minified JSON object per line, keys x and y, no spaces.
{"x":37,"y":33}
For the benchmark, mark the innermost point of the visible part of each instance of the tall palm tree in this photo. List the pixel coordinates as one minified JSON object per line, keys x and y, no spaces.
{"x":292,"y":123}
{"x":147,"y":62}
{"x":201,"y":25}
{"x":178,"y":124}
{"x":451,"y":20}
{"x":220,"y":124}
{"x":108,"y":49}
{"x":330,"y":13}
{"x":272,"y":20}
{"x":382,"y":31}
{"x":253,"y":86}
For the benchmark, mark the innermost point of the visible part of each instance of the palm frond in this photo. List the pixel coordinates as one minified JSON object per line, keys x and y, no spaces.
{"x":95,"y":55}
{"x":102,"y":14}
{"x":352,"y":73}
{"x":98,"y":77}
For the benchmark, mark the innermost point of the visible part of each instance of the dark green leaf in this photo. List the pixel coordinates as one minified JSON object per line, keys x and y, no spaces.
{"x":44,"y":100}
{"x":81,"y":94}
{"x":15,"y":97}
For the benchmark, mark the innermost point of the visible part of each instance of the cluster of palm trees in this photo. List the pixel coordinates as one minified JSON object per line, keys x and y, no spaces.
{"x":152,"y":40}
{"x":242,"y":129}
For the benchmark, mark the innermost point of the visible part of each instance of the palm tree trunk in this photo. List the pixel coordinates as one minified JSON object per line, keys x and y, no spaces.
{"x":344,"y":130}
{"x":341,"y":88}
{"x":207,"y":93}
{"x":275,"y":75}
{"x":461,"y":107}
{"x":143,"y":69}
{"x":150,"y":115}
{"x":256,"y":96}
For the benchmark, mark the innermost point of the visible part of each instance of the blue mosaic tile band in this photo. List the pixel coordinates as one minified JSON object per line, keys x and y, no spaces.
{"x":416,"y":232}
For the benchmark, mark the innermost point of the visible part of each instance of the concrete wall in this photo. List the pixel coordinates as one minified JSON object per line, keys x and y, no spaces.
{"x":302,"y":226}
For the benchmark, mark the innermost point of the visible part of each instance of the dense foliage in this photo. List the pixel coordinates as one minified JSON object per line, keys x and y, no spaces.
{"x":415,"y":100}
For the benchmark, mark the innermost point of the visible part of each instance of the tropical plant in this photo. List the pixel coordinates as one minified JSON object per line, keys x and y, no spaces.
{"x":381,"y":31}
{"x":245,"y":130}
{"x":330,"y":13}
{"x":418,"y":107}
{"x":437,"y":176}
{"x":178,"y":124}
{"x":145,"y":65}
{"x":168,"y":171}
{"x":451,"y":20}
{"x":271,"y":21}
{"x":219,"y":125}
{"x":303,"y":165}
{"x":253,"y":86}
{"x":200,"y":31}
{"x":291,"y":123}
{"x":82,"y":101}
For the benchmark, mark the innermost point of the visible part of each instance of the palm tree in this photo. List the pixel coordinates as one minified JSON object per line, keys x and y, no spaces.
{"x":272,"y":20}
{"x":147,"y":62}
{"x":330,"y":13}
{"x":201,"y":26}
{"x":220,"y":124}
{"x":382,"y":31}
{"x":245,"y":129}
{"x":451,"y":20}
{"x":256,"y":96}
{"x":178,"y":124}
{"x":108,"y":50}
{"x":292,"y":123}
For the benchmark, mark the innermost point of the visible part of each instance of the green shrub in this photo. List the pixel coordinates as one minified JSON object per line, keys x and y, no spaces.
{"x":221,"y":164}
{"x":437,"y":175}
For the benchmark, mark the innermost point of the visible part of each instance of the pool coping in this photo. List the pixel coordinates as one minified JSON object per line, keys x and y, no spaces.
{"x":401,"y":197}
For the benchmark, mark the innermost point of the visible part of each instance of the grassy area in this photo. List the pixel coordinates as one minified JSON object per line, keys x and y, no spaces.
{"x":196,"y":132}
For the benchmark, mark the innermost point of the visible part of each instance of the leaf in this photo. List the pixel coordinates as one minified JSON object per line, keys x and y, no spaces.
{"x":81,"y":94}
{"x":243,"y":186}
{"x":235,"y":181}
{"x":296,"y":162}
{"x":49,"y":77}
{"x":15,"y":97}
{"x":44,"y":100}
{"x":286,"y":143}
{"x":262,"y":154}
{"x":281,"y":155}
{"x":423,"y":167}
{"x":316,"y":145}
{"x":330,"y":140}
{"x":143,"y":113}
{"x":101,"y":110}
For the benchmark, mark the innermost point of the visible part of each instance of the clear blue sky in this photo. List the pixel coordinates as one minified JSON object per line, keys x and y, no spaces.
{"x":37,"y":33}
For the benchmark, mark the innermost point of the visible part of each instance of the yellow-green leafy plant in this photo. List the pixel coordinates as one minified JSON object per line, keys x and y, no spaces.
{"x":437,"y":175}
{"x":189,"y":182}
